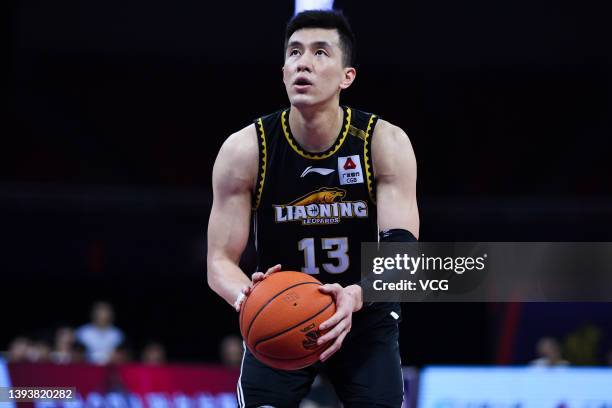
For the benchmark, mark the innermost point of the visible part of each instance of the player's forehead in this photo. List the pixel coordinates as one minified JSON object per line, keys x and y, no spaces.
{"x":315,"y":36}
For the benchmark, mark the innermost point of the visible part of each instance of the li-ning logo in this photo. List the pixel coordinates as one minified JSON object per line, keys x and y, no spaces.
{"x":323,"y":206}
{"x":310,"y":339}
{"x":318,"y":170}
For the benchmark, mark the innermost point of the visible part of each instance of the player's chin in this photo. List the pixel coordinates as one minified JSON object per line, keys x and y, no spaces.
{"x":300,"y":100}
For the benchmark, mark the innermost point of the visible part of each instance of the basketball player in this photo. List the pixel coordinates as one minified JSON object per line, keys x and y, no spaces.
{"x":317,"y":179}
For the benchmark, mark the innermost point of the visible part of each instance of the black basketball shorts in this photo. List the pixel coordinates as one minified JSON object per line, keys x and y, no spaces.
{"x":365,"y":372}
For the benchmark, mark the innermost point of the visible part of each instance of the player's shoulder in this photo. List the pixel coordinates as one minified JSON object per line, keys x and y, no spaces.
{"x":390,"y":146}
{"x":236,"y":166}
{"x":387,"y":132}
{"x":241,"y":145}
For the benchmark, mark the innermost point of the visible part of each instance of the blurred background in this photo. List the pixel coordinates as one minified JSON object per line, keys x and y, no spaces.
{"x":116,"y":111}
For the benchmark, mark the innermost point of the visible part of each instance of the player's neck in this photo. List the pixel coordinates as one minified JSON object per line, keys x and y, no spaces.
{"x":317,"y":128}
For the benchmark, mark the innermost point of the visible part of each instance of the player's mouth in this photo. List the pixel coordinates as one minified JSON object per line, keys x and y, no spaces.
{"x":302,"y":84}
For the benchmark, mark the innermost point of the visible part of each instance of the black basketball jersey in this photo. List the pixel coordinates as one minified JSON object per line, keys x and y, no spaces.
{"x":313,"y":210}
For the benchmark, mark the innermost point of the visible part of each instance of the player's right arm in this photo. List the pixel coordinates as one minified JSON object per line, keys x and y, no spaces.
{"x":234,"y":176}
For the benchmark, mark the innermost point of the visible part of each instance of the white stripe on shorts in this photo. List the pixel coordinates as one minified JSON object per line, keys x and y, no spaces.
{"x":239,"y":391}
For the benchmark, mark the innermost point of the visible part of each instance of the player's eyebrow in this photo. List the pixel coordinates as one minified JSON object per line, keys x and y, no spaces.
{"x":294,"y":44}
{"x":321,"y":44}
{"x":316,"y":44}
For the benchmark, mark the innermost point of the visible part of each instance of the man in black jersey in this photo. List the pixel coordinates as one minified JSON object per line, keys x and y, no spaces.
{"x":317,"y":179}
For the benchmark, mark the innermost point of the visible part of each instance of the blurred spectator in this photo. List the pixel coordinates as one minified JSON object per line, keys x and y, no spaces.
{"x":39,"y":351}
{"x":63,"y":352}
{"x":79,"y":353}
{"x":22,"y":350}
{"x":100,"y":337}
{"x":153,"y":353}
{"x":549,"y":353}
{"x":121,"y":354}
{"x":18,"y":350}
{"x":231,"y":351}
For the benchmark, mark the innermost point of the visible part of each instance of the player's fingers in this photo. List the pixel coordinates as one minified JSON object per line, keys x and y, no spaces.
{"x":332,"y":321}
{"x":333,"y":333}
{"x":257,"y":276}
{"x":240,"y":299}
{"x":334,"y":347}
{"x":332,"y":288}
{"x":273,"y":269}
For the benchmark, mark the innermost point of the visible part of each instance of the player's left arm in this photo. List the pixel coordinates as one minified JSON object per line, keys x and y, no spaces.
{"x":395,"y":172}
{"x":395,"y":169}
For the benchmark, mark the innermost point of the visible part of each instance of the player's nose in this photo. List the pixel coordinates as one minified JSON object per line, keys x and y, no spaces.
{"x":304,"y":68}
{"x":304,"y":64}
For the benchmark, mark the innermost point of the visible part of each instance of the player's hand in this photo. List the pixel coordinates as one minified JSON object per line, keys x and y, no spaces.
{"x":259,"y":276}
{"x":348,"y":300}
{"x":256,"y":277}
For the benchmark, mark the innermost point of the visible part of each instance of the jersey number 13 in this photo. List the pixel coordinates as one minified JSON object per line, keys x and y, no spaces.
{"x":337,"y":249}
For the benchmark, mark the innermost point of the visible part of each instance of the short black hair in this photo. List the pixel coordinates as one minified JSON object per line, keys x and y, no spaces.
{"x":331,"y":19}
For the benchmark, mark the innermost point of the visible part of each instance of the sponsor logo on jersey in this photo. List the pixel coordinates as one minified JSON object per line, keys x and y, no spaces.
{"x":318,"y":170}
{"x":349,"y":170}
{"x":323,"y":206}
{"x":349,"y":164}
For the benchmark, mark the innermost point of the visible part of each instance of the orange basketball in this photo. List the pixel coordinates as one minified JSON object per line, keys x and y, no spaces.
{"x":280,"y":320}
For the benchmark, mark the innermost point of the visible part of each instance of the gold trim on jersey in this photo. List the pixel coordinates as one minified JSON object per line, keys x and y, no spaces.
{"x":261,"y":174}
{"x":367,"y":159}
{"x":316,"y":156}
{"x":358,"y":133}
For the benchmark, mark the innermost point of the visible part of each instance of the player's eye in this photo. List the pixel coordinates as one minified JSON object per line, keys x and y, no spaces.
{"x":293,"y":52}
{"x":321,"y":52}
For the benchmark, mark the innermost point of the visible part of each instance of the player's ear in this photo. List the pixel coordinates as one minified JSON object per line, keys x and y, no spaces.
{"x":349,"y":76}
{"x":283,"y":73}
